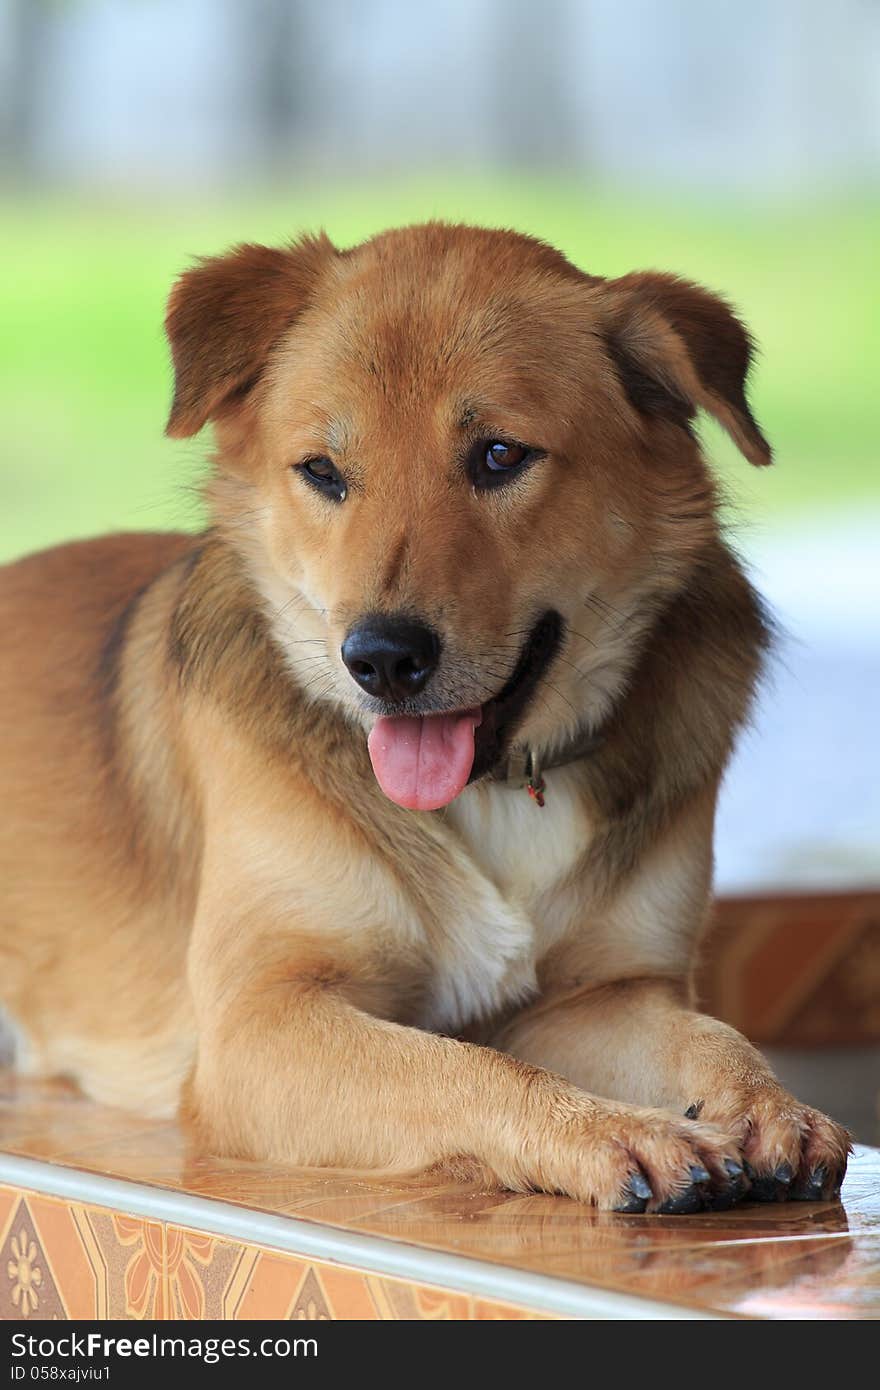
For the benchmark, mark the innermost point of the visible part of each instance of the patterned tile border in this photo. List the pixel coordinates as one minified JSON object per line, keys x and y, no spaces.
{"x":76,"y":1245}
{"x":66,"y":1260}
{"x":796,"y":970}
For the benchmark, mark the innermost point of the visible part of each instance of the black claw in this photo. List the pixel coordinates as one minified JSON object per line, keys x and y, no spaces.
{"x":810,"y":1190}
{"x":636,"y":1194}
{"x":684,"y":1204}
{"x":723,"y":1198}
{"x":632,"y":1204}
{"x":770,"y":1187}
{"x":693,"y":1111}
{"x":699,"y":1173}
{"x":639,"y":1185}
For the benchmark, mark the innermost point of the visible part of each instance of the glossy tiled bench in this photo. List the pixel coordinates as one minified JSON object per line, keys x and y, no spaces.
{"x":103,"y":1215}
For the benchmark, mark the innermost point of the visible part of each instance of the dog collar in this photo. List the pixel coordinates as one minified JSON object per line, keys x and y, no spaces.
{"x":525,"y":768}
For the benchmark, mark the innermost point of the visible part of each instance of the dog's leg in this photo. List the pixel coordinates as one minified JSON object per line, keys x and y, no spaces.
{"x":638,"y":1040}
{"x":291,"y":1069}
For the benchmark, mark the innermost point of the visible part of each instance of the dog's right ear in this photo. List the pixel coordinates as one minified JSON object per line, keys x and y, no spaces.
{"x":677,"y":347}
{"x":225,"y":316}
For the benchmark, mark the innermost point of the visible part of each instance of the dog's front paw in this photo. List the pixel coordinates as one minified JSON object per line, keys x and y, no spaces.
{"x":791,"y":1151}
{"x":629,"y":1159}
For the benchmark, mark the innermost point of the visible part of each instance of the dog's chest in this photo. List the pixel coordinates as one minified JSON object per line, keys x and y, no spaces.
{"x":524,"y":848}
{"x":518,"y":857}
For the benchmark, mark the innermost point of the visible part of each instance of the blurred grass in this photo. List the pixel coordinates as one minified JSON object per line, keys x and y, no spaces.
{"x":84,"y":378}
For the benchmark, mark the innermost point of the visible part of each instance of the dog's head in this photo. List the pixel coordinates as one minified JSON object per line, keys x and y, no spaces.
{"x":462,"y":472}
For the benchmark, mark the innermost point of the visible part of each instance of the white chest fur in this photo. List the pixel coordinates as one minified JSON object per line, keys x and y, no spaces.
{"x":525,"y":849}
{"x":513,"y":854}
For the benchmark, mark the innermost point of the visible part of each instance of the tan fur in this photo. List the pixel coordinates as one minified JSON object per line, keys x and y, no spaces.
{"x":206,"y":896}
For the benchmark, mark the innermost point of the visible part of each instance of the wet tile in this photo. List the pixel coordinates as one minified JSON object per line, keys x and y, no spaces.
{"x":714,"y":1277}
{"x":24,"y":1091}
{"x":513,"y":1229}
{"x":163,"y":1157}
{"x":814,"y":1288}
{"x":344,"y":1203}
{"x":759,"y":1260}
{"x":48,"y":1126}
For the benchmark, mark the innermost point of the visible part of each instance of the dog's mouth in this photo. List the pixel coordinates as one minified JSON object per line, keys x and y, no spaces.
{"x":424,"y":762}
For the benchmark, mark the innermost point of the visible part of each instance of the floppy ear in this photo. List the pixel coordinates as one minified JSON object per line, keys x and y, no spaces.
{"x":676,"y":347}
{"x":225,"y":316}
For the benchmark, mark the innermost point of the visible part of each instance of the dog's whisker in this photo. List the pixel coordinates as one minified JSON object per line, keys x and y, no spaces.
{"x":558,"y":693}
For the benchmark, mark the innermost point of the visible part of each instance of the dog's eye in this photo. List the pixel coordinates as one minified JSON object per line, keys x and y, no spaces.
{"x":493,"y":462}
{"x":500,"y":456}
{"x":325,"y":476}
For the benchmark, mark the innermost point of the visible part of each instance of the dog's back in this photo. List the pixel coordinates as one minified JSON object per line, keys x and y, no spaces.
{"x":68,"y":909}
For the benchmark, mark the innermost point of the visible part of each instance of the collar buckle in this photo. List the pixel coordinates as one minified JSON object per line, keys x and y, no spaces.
{"x":524,"y":770}
{"x":518,"y":768}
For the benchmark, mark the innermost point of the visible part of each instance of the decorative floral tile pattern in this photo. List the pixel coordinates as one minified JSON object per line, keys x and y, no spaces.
{"x":35,"y":1264}
{"x":68,"y":1260}
{"x":31,"y":1288}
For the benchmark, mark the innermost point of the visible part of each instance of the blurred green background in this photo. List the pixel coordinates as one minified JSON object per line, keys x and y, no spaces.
{"x":734,"y":145}
{"x":84,"y":374}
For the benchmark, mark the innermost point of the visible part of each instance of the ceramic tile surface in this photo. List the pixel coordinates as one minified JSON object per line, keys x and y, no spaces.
{"x":60,"y":1258}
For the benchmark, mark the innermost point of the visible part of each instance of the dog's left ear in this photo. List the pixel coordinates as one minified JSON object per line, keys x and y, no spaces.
{"x":226,"y":315}
{"x":676,"y":347}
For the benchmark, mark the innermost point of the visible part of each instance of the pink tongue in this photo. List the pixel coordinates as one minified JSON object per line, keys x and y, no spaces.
{"x":424,"y":763}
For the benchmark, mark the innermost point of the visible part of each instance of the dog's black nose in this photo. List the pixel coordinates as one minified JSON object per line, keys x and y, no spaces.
{"x":391,"y":658}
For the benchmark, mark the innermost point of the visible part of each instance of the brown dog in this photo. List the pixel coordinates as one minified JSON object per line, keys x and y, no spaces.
{"x":375,"y":823}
